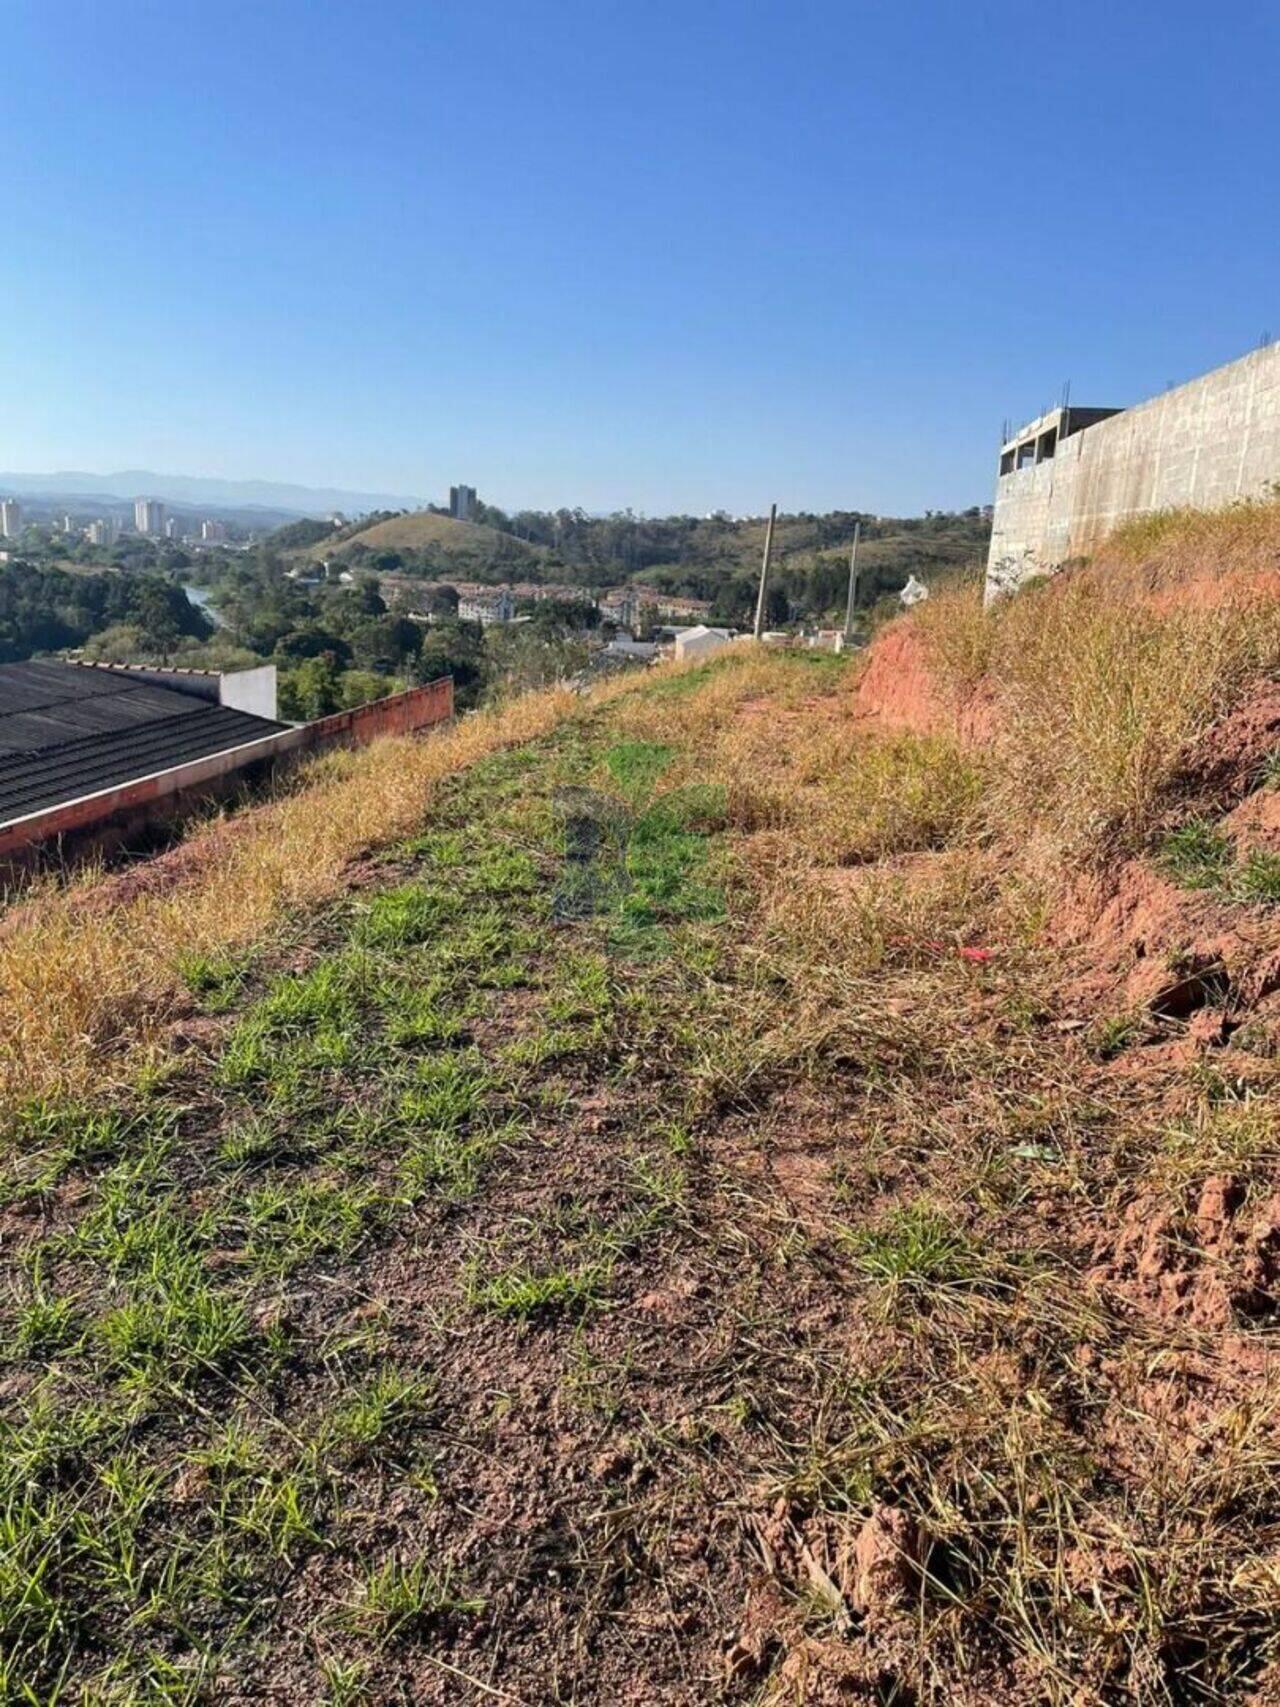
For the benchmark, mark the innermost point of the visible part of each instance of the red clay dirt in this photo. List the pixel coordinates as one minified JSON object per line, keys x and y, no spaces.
{"x":899,"y":689}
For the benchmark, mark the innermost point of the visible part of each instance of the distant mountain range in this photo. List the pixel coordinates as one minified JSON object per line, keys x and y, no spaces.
{"x":198,"y":490}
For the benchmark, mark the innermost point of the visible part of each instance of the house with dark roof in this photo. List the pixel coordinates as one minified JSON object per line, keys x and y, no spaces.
{"x":95,"y":745}
{"x":71,"y":730}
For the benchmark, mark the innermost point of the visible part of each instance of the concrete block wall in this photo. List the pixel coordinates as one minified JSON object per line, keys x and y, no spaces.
{"x":1201,"y":445}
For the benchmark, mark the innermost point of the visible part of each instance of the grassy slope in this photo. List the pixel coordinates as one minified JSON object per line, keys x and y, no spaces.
{"x":679,"y":1271}
{"x":736,"y":551}
{"x":422,"y":529}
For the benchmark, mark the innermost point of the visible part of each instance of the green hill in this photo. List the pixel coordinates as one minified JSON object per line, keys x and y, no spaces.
{"x":426,"y":539}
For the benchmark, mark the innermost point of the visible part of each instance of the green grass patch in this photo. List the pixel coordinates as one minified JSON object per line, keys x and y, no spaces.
{"x":1195,"y":856}
{"x":1257,"y":877}
{"x":217,"y":979}
{"x":635,"y":767}
{"x":1198,"y":856}
{"x":917,"y":1247}
{"x":409,"y":914}
{"x":396,"y":1599}
{"x":524,"y":1294}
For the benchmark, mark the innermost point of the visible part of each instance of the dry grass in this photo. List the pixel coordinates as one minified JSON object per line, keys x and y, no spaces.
{"x":1093,"y":1476}
{"x":86,"y":988}
{"x":1099,"y":680}
{"x":1100,"y":696}
{"x":88,"y":983}
{"x":1178,"y":543}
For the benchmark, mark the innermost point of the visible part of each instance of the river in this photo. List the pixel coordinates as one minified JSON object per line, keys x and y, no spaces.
{"x":199,"y":596}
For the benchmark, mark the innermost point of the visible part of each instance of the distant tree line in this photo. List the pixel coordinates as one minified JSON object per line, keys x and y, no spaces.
{"x":45,"y":609}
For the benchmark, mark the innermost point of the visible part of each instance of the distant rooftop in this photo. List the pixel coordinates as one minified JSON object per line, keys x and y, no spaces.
{"x":67,"y":730}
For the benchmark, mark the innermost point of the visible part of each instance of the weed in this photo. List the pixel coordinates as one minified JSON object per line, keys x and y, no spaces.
{"x":397,"y":1598}
{"x":216,"y":978}
{"x":44,"y":1324}
{"x":448,"y":1162}
{"x":524,"y":1294}
{"x":918,"y":1247}
{"x":1257,"y":878}
{"x":1197,"y":856}
{"x":444,"y":1092}
{"x":290,"y":1223}
{"x":378,"y":1413}
{"x":1112,"y":1036}
{"x":346,"y":1682}
{"x":175,"y":1329}
{"x":411,"y":914}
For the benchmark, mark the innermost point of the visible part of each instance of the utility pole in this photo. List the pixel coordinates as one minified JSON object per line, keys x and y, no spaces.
{"x":764,"y":570}
{"x":853,"y":584}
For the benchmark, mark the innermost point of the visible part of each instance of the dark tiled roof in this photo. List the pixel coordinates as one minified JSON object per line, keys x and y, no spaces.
{"x":67,"y":730}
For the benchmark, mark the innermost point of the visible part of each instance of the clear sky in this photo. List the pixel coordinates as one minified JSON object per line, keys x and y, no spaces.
{"x":670,"y":254}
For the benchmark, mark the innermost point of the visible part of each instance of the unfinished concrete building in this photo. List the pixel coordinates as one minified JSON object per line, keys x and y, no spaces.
{"x":1070,"y":477}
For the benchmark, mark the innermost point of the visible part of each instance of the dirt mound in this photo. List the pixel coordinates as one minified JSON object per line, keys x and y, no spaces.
{"x":901,"y":689}
{"x":1142,"y":943}
{"x":897,"y":687}
{"x":1211,"y":1261}
{"x":1229,"y":762}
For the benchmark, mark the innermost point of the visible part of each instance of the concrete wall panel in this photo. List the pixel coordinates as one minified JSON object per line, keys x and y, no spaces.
{"x":1201,"y":445}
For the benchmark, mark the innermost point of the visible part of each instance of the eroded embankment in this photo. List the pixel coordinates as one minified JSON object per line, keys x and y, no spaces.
{"x":1126,"y":719}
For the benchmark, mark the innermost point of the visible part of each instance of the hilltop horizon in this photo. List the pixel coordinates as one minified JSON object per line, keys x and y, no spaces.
{"x":125,"y":485}
{"x":130,"y":483}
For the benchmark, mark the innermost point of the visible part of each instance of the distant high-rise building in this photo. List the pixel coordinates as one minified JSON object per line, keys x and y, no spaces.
{"x":172,"y":528}
{"x":10,"y":518}
{"x":212,"y":531}
{"x":462,"y":500}
{"x":102,"y":532}
{"x":148,"y":517}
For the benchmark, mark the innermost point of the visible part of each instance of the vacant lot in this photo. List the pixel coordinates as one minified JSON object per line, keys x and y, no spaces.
{"x":674,"y":1227}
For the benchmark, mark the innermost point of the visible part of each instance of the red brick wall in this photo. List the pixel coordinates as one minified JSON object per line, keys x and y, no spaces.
{"x":396,"y":715}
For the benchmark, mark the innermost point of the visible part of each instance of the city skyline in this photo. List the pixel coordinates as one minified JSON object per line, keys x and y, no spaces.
{"x":651,"y":258}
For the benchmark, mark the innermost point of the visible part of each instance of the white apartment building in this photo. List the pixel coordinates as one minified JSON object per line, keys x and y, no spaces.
{"x":148,"y":517}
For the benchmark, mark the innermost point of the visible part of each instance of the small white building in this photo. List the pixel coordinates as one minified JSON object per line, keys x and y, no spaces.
{"x":623,"y":647}
{"x":701,"y":641}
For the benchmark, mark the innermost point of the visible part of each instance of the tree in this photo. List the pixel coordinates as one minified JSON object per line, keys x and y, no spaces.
{"x":311,"y":642}
{"x":122,"y":643}
{"x":310,"y":690}
{"x":359,"y":687}
{"x":385,"y":643}
{"x":455,"y":649}
{"x":440,"y":599}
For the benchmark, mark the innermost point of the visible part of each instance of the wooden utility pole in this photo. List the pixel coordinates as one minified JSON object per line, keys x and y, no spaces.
{"x":853,"y":583}
{"x":764,"y":570}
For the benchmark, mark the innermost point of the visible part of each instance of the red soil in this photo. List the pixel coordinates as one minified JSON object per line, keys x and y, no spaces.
{"x":899,"y":689}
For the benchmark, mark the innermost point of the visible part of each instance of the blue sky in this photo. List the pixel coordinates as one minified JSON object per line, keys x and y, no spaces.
{"x":677,"y":256}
